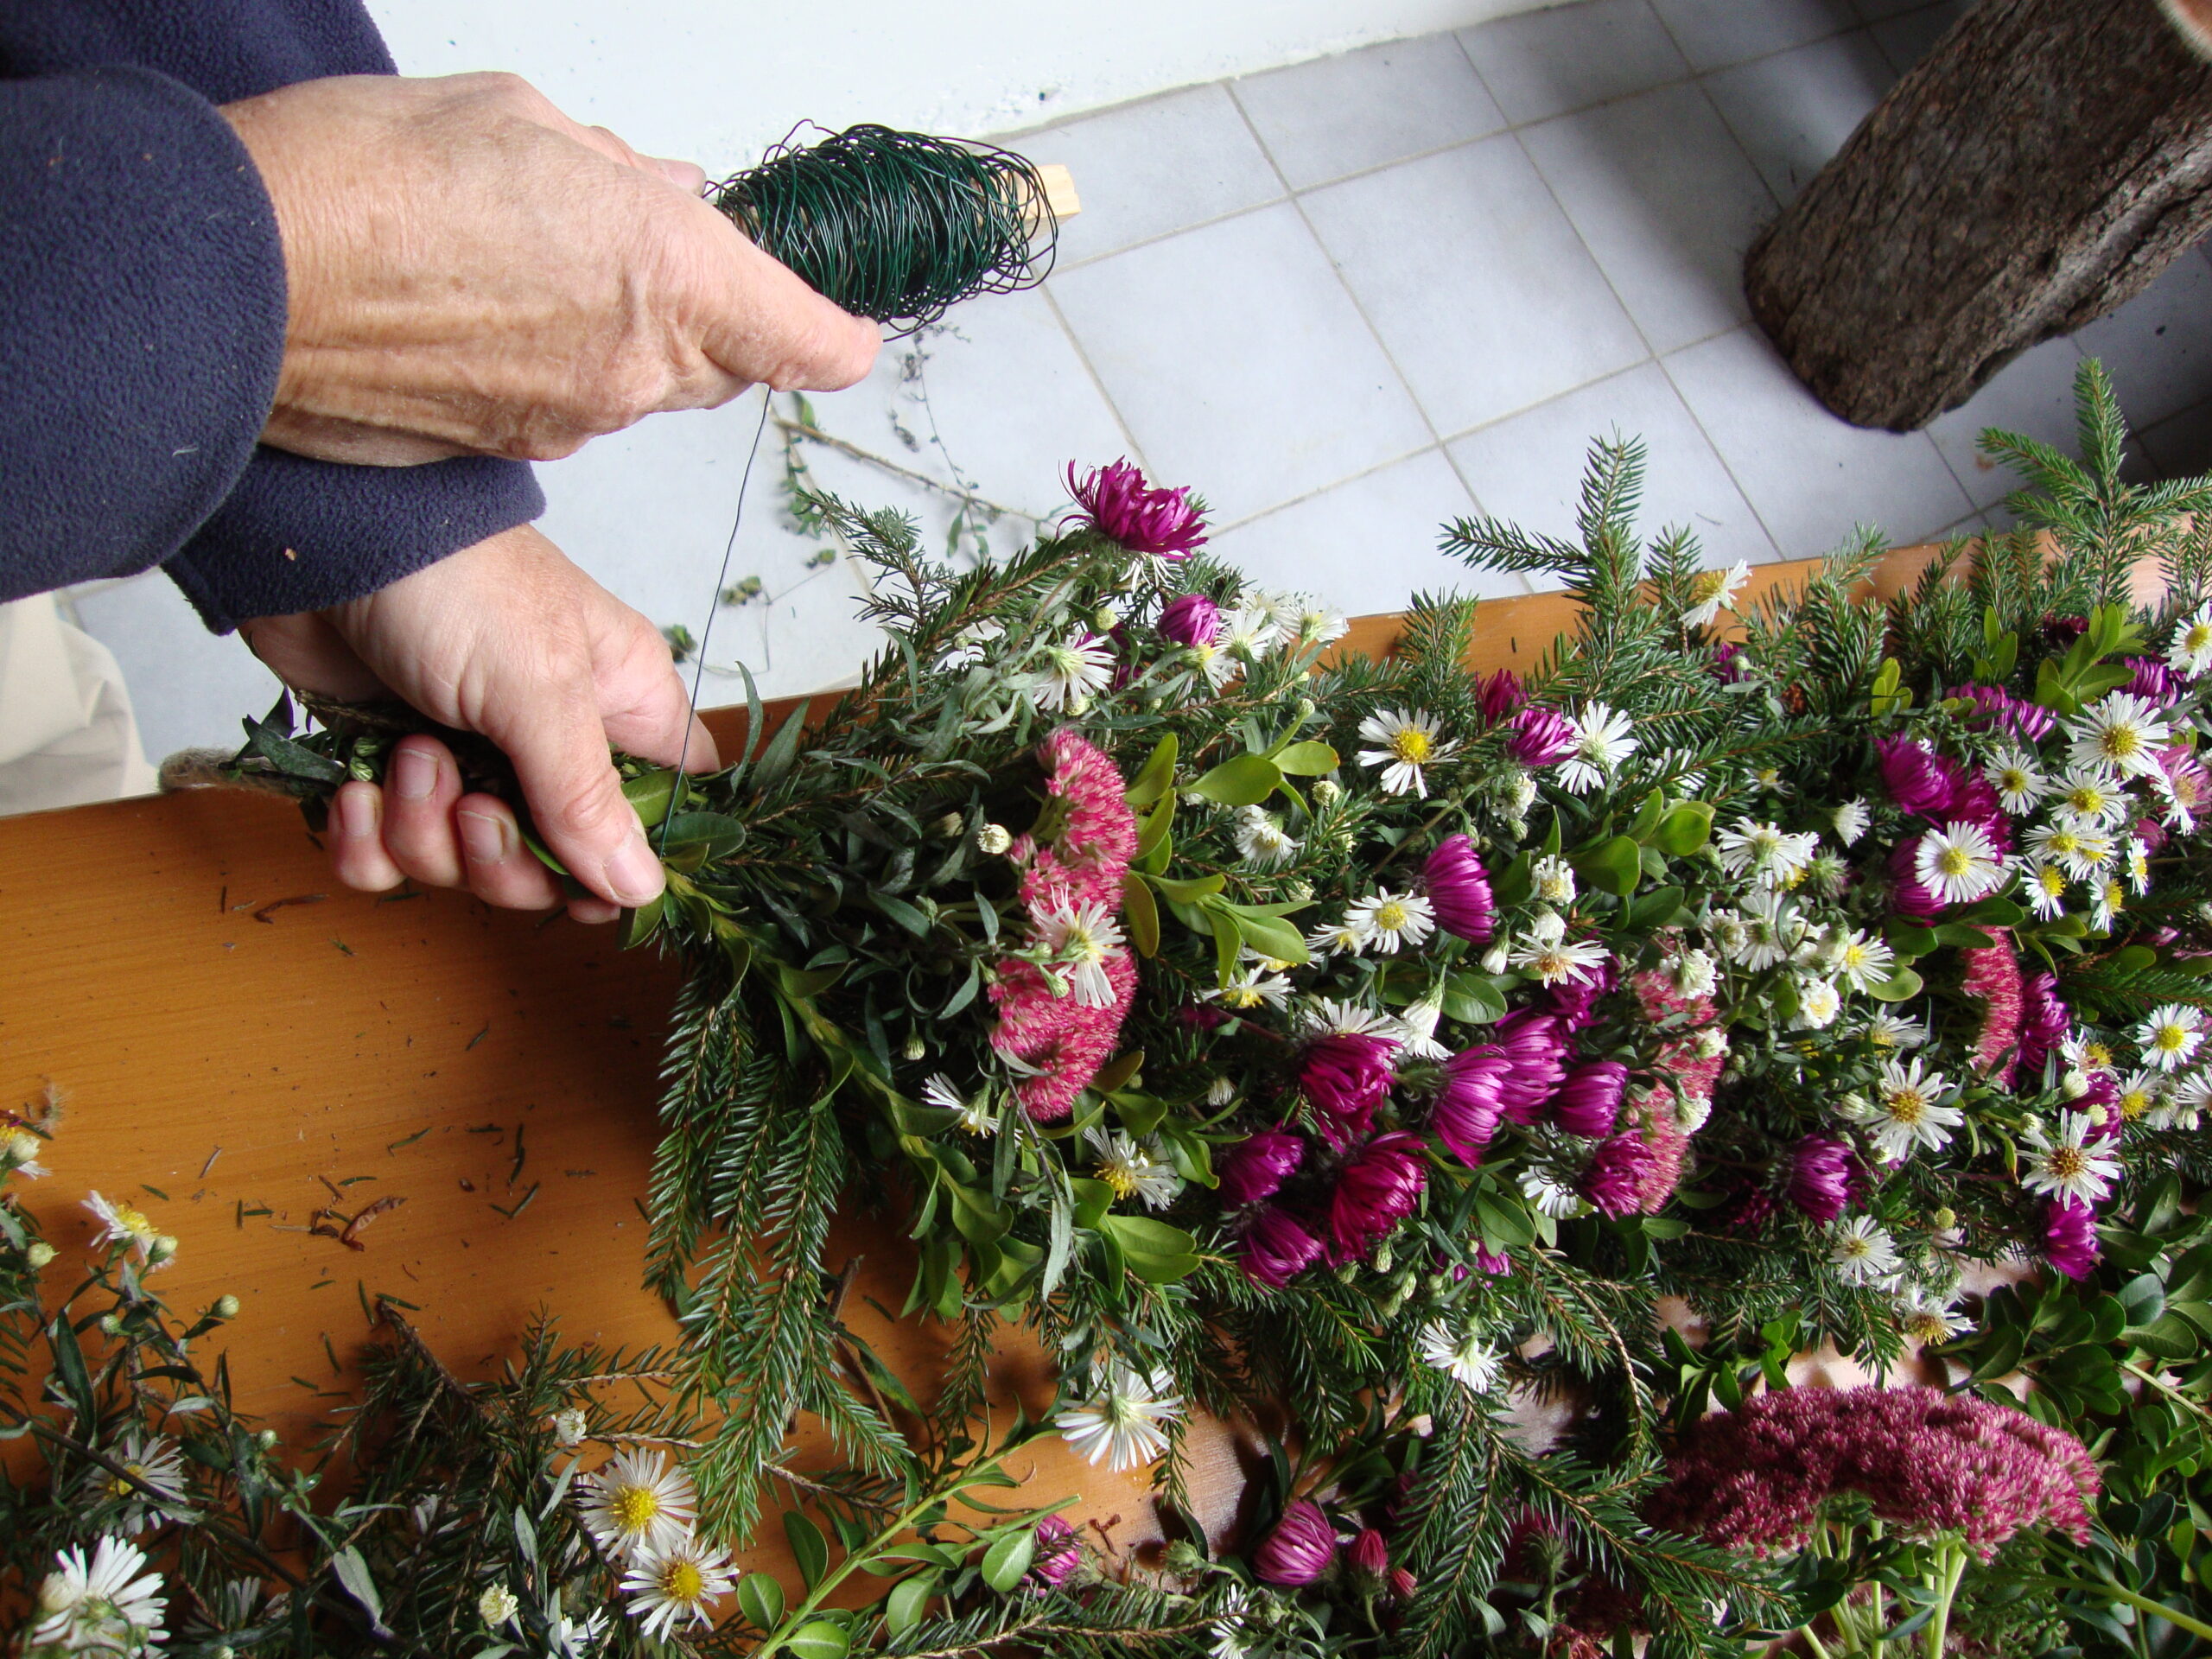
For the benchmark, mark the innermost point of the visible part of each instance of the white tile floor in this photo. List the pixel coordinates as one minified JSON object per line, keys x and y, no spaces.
{"x":1347,"y":301}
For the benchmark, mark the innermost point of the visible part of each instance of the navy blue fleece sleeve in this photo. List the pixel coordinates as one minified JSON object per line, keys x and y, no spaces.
{"x":297,"y":535}
{"x":143,"y":287}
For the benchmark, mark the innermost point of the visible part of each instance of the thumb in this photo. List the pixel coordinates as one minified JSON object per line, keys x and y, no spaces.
{"x":558,"y":746}
{"x":761,"y":322}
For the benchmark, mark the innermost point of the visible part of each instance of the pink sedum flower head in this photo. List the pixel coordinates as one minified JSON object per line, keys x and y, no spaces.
{"x":1589,"y":1100}
{"x":1193,"y":620}
{"x":1377,"y":1189}
{"x":1993,"y":978}
{"x":1458,"y":891}
{"x":1117,"y":503}
{"x":1300,"y":1548}
{"x":1256,"y":1166}
{"x":1278,"y":1247}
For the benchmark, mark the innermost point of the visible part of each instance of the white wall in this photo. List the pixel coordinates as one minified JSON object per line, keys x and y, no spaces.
{"x":715,"y":81}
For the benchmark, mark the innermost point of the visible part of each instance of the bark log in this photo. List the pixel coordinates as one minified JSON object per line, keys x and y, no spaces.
{"x":2042,"y":164}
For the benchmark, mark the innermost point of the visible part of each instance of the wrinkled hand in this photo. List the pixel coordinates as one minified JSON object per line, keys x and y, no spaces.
{"x":471,"y":272}
{"x":509,"y":639}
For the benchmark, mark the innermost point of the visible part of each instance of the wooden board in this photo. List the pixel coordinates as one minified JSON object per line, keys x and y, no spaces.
{"x":221,"y":1043}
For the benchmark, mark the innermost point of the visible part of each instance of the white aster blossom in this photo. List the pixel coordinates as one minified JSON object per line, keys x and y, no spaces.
{"x":1545,"y":951}
{"x":1338,"y":939}
{"x":1959,"y":863}
{"x":125,"y":1224}
{"x":1693,"y":971}
{"x":637,"y":1502}
{"x":2018,"y":781}
{"x":1907,"y":1110}
{"x":975,"y":1116}
{"x":108,"y":1604}
{"x":1405,"y":742}
{"x":1261,"y":841}
{"x":672,"y":1588}
{"x":1774,"y":857}
{"x":1818,"y":1004}
{"x":569,"y":1426}
{"x":1250,"y":632}
{"x":1551,"y":1196}
{"x":1119,"y":1425}
{"x":1551,"y":879}
{"x":2065,"y":1165}
{"x":1386,"y":921}
{"x":2044,"y":886}
{"x":1467,"y":1360}
{"x":1851,"y":820}
{"x":2065,"y":844}
{"x":1715,"y":591}
{"x":1415,"y":1028}
{"x":1863,"y":1254}
{"x":1326,"y":1016}
{"x":1082,"y":938}
{"x":2191,"y":650}
{"x":1604,"y":738}
{"x":19,"y":1154}
{"x":497,"y":1604}
{"x":1253,"y":987}
{"x":2170,"y":1036}
{"x":2121,"y":731}
{"x":2090,"y":797}
{"x":1772,"y":930}
{"x":1307,"y":623}
{"x":1134,"y":1169}
{"x":1071,"y":672}
{"x":1929,"y":1321}
{"x":154,"y":1489}
{"x":1864,"y":961}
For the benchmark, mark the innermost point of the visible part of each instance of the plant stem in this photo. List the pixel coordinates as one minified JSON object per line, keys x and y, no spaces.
{"x":1819,"y":1649}
{"x":1950,"y":1568}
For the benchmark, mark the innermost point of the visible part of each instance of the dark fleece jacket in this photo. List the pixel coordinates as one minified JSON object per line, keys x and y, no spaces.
{"x":143,"y":284}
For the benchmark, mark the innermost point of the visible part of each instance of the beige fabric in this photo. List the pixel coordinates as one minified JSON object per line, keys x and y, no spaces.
{"x":66,"y":731}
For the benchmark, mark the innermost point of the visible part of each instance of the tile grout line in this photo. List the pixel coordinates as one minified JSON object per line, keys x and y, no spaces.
{"x":1090,"y":369}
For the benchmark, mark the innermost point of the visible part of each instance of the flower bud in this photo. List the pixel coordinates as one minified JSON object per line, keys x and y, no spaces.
{"x":994,"y":839}
{"x":1185,"y":1559}
{"x":949,"y":824}
{"x":1369,"y":1555}
{"x":163,"y":1248}
{"x":497,"y":1604}
{"x":1105,"y":619}
{"x":1327,"y":792}
{"x":267,"y":1440}
{"x":915,"y":1048}
{"x":1944,"y":1219}
{"x":1078,"y":705}
{"x":1305,"y":707}
{"x":37,"y":1254}
{"x":227,"y":1307}
{"x":2074,"y":1084}
{"x":111,"y":1324}
{"x":1300,"y":1549}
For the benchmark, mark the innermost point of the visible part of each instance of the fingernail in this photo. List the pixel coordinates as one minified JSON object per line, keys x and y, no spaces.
{"x":414,"y":774}
{"x":484,"y":836}
{"x":357,"y":814}
{"x":634,"y":873}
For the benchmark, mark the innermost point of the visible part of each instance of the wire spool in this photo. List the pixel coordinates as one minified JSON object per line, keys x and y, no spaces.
{"x":898,"y":227}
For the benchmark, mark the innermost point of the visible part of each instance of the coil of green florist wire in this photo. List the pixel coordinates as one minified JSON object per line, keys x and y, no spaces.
{"x":898,"y":226}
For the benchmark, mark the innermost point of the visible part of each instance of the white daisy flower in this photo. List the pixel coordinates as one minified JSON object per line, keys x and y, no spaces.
{"x":2183,"y":1104}
{"x":1120,"y":1425}
{"x":108,"y":1604}
{"x":975,"y":1116}
{"x":1072,"y":672}
{"x":1603,"y":739}
{"x":1894,"y":1031}
{"x":569,"y":1426}
{"x":1326,"y":1016}
{"x":1864,"y":960}
{"x":1134,"y":1169}
{"x":2139,"y":1093}
{"x":1929,"y":1321}
{"x":1551,"y":1196}
{"x":2191,"y":650}
{"x":153,"y":1464}
{"x":1386,"y":920}
{"x":574,"y":1638}
{"x":672,"y":1588}
{"x":637,"y":1502}
{"x":1818,"y":1004}
{"x":2089,"y":797}
{"x":2121,"y":731}
{"x":1252,"y":987}
{"x":1215,"y":666}
{"x":1693,"y":971}
{"x":1415,"y":1029}
{"x":1250,"y":632}
{"x":2138,"y":865}
{"x":1554,"y":959}
{"x":1082,"y":938}
{"x":967,"y":646}
{"x":1851,"y":820}
{"x":1467,"y":1360}
{"x":1729,"y":934}
{"x":1863,"y":1254}
{"x":1307,"y":623}
{"x":1406,"y":742}
{"x":2018,"y":781}
{"x":2044,"y":886}
{"x":2087,"y":1053}
{"x":1959,"y":863}
{"x":1773,"y":930}
{"x":1711,"y":1044}
{"x":497,"y":1604}
{"x":1551,"y":879}
{"x":1340,"y":939}
{"x":1907,"y":1110}
{"x":2107,"y":897}
{"x":2170,"y":1036}
{"x":123,"y":1224}
{"x":1715,"y":591}
{"x":2065,"y":1167}
{"x":1261,"y":841}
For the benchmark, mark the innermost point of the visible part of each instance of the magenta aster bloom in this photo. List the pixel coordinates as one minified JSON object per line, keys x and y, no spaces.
{"x":1302,"y":1547}
{"x":1914,"y":776}
{"x":1369,"y":1555}
{"x":1928,"y":1461}
{"x":2153,"y":679}
{"x":1588,"y":1102}
{"x":1997,"y":707}
{"x":1377,"y":1189}
{"x":1496,"y":1264}
{"x":1256,"y":1166}
{"x":1536,"y":1044}
{"x":1540,"y":737}
{"x":2044,"y":1019}
{"x":1574,"y":1001}
{"x":1118,"y":503}
{"x":1819,"y":1176}
{"x":1345,"y":1077}
{"x":1615,"y":1179}
{"x":1501,"y":696}
{"x":1909,"y":894}
{"x":1278,"y":1247}
{"x":1471,"y":1101}
{"x":1458,"y":890}
{"x":1058,"y":1554}
{"x":1193,"y":620}
{"x":2070,"y":1238}
{"x":1726,"y":664}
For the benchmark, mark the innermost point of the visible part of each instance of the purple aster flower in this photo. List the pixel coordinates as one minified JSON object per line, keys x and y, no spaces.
{"x":1616,"y":1172}
{"x":1471,"y":1101}
{"x":1917,"y":780}
{"x":2100,"y":1103}
{"x":1540,"y":737}
{"x":2153,"y":679}
{"x":2043,"y":1022}
{"x":1369,"y":1555}
{"x":1536,"y":1044}
{"x":1819,"y":1176}
{"x":1193,"y":620}
{"x":1496,"y":1264}
{"x":2070,"y":1238}
{"x":1300,"y":1549}
{"x":1057,"y":1556}
{"x":1589,"y":1100}
{"x":1574,"y":1001}
{"x":1377,"y":1189}
{"x":1501,"y":696}
{"x":1345,"y":1076}
{"x":1909,"y":894}
{"x":1278,"y":1247}
{"x":2064,"y":630}
{"x":1726,"y":663}
{"x":1256,"y":1166}
{"x":1458,"y":890}
{"x":1118,"y":503}
{"x":1403,"y":1584}
{"x":1996,"y":706}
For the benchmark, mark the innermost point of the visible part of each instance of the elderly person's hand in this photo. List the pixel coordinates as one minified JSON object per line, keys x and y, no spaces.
{"x":509,"y":639}
{"x":471,"y":272}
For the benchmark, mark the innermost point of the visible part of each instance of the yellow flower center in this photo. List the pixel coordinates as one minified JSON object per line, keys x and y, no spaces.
{"x":2096,"y":1056}
{"x":1905,"y":1106}
{"x":2121,"y":742}
{"x":1853,"y":1247}
{"x":2052,"y":882}
{"x":1390,"y":916}
{"x":2169,"y":1038}
{"x":1121,"y":1178}
{"x":1709,"y":584}
{"x":1953,"y":860}
{"x":133,"y":1222}
{"x":2084,"y":799}
{"x":119,"y":1487}
{"x":635,"y":1507}
{"x":2013,"y":781}
{"x":1083,"y":945}
{"x":2134,"y":1102}
{"x":2065,"y":842}
{"x":680,"y":1580}
{"x":1411,"y":745}
{"x":1240,"y":996}
{"x":2065,"y":1162}
{"x":1855,"y":955}
{"x":1926,"y":1328}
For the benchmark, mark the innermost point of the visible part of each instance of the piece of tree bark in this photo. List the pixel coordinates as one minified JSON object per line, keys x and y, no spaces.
{"x":2042,"y":164}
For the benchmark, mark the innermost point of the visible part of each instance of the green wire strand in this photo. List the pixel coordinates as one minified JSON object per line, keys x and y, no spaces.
{"x":898,"y":227}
